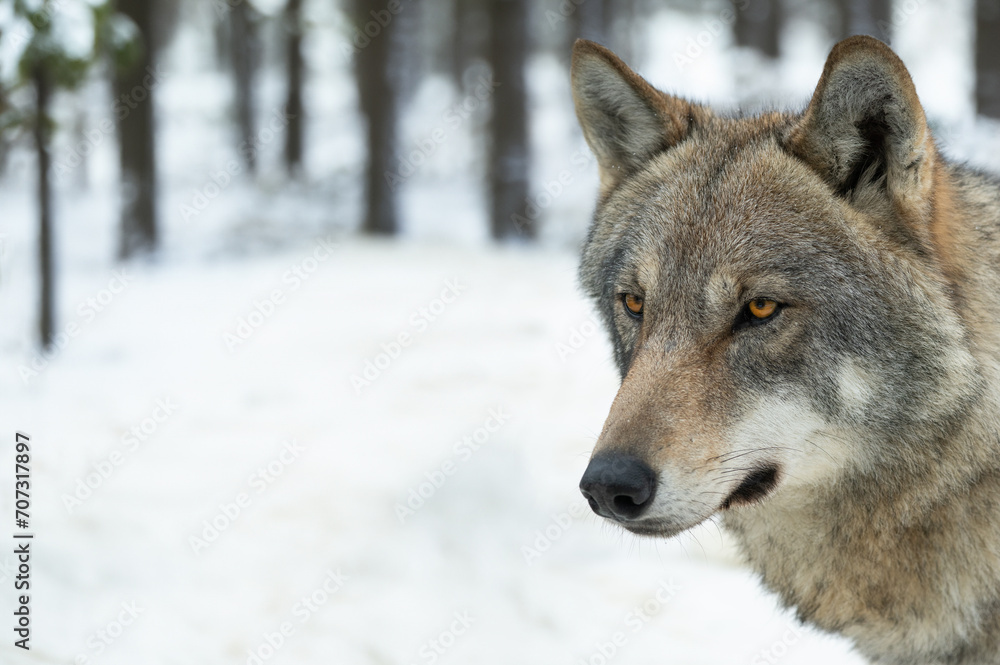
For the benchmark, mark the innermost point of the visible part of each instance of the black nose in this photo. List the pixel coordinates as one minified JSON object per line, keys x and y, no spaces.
{"x":618,"y":486}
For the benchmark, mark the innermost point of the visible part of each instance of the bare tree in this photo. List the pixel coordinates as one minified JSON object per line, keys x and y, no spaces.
{"x":133,"y":87}
{"x":988,"y":57}
{"x":46,"y":321}
{"x":509,"y":152}
{"x":374,"y":66}
{"x":244,"y":49}
{"x":471,"y":25}
{"x":607,"y":22}
{"x":863,"y":17}
{"x":758,"y":25}
{"x":439,"y":35}
{"x":293,"y":103}
{"x":620,"y":20}
{"x":592,"y":20}
{"x":45,"y":65}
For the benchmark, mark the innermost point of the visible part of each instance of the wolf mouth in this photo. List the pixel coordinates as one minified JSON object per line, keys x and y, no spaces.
{"x":654,"y":529}
{"x":754,"y":487}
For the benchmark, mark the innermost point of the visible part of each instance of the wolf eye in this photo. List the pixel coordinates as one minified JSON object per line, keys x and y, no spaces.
{"x":761,"y":308}
{"x":633,"y":304}
{"x":757,"y":312}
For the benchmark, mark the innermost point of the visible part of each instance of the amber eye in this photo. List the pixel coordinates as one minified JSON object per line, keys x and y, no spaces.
{"x":762,"y":308}
{"x":633,"y":304}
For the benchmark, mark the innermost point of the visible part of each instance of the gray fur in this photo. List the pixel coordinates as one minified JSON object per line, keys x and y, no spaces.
{"x":885,"y":523}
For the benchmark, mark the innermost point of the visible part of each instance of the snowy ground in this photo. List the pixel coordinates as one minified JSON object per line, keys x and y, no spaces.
{"x":264,"y":499}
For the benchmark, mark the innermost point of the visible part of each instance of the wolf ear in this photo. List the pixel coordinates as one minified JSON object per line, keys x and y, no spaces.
{"x":624,"y":119}
{"x":865,"y":131}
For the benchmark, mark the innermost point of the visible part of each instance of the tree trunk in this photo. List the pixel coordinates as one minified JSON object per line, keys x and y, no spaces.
{"x":243,"y":42}
{"x":46,"y":319}
{"x":134,"y":88}
{"x":841,"y":20}
{"x":406,"y":66}
{"x":458,"y":58}
{"x":758,"y":26}
{"x":863,"y":17}
{"x":378,"y":97}
{"x":606,"y":22}
{"x":5,"y":143}
{"x":222,"y":43}
{"x":293,"y":104}
{"x":988,"y":58}
{"x":592,"y":20}
{"x":619,"y":16}
{"x":509,"y":152}
{"x":471,"y":32}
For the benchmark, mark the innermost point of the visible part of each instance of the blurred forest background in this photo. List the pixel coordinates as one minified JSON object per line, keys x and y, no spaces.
{"x":81,"y":76}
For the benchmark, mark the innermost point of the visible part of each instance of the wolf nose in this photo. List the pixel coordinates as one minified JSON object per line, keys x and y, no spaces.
{"x":618,"y":486}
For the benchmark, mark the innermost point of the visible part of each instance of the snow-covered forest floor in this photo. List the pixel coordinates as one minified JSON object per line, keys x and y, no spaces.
{"x":278,"y":442}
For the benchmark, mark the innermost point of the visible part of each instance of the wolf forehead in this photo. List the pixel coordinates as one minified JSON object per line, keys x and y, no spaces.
{"x":727,"y":195}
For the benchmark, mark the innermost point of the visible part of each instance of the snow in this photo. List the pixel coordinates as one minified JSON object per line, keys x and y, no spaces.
{"x":489,"y":382}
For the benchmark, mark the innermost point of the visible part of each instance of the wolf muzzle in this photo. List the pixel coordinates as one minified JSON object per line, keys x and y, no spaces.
{"x":618,"y":486}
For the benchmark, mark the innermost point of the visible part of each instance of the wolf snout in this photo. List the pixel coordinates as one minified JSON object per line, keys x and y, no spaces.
{"x":618,"y":486}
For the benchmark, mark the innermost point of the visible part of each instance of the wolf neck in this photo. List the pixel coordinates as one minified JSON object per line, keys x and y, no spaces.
{"x":868,"y":562}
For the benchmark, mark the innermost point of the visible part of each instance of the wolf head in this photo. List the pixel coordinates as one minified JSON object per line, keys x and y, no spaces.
{"x":776,"y":289}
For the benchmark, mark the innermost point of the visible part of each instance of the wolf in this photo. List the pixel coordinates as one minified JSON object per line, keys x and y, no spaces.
{"x":805,"y":311}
